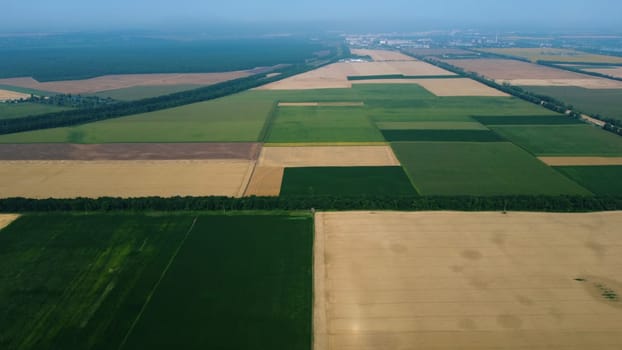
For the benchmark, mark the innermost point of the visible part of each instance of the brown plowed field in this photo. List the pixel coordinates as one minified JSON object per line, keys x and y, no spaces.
{"x":6,"y":219}
{"x":136,"y":178}
{"x":317,"y":156}
{"x":453,"y":280}
{"x":130,"y":151}
{"x":266,"y":181}
{"x":6,"y":95}
{"x":579,"y":161}
{"x":114,"y":82}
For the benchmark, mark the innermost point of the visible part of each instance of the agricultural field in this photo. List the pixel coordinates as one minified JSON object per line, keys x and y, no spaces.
{"x":614,"y":71}
{"x":6,"y":219}
{"x":479,"y":168}
{"x":396,"y":280}
{"x":528,"y":120}
{"x":141,"y":92}
{"x":601,"y":180}
{"x":431,"y":125}
{"x":324,"y":156}
{"x":442,"y":135}
{"x":18,"y":110}
{"x":605,"y":102}
{"x":237,"y":118}
{"x":347,"y":181}
{"x":127,"y":179}
{"x":563,"y":140}
{"x":554,"y":55}
{"x":7,"y":95}
{"x":116,"y":279}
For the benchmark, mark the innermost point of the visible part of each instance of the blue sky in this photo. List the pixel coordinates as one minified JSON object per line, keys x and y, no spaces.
{"x":41,"y":13}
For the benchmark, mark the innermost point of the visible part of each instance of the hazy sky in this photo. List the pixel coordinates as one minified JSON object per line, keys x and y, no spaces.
{"x":101,"y":13}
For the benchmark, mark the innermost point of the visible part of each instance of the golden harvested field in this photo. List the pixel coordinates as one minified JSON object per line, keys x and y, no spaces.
{"x":136,"y":178}
{"x":556,"y":55}
{"x":383,"y":55}
{"x":288,"y":157}
{"x":6,"y":95}
{"x":443,"y":87}
{"x":578,"y":161}
{"x":266,"y":181}
{"x":453,"y":280}
{"x":614,"y":72}
{"x":6,"y":219}
{"x":113,"y":82}
{"x":522,"y":73}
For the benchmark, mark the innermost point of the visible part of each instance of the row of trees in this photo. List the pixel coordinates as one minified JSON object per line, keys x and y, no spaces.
{"x":460,"y":203}
{"x":121,"y":109}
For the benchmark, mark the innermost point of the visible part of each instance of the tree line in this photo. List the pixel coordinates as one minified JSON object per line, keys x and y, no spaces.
{"x":414,"y":203}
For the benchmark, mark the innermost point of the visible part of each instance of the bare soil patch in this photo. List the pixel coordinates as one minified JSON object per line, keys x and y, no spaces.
{"x":266,"y":181}
{"x":578,"y":161}
{"x":442,"y":280}
{"x":114,"y":82}
{"x":6,"y":95}
{"x":383,"y":55}
{"x":6,"y":219}
{"x":130,"y":151}
{"x":327,"y":156}
{"x":136,"y":178}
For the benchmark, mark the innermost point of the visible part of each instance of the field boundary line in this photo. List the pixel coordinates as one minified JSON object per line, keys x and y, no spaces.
{"x":155,"y":287}
{"x":320,"y":320}
{"x":247,"y":179}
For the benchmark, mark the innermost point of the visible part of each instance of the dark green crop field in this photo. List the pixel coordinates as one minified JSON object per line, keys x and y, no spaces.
{"x":474,"y":168}
{"x":346,"y":181}
{"x":442,"y":135}
{"x":17,"y":110}
{"x":130,"y":281}
{"x":528,"y":120}
{"x":602,"y":180}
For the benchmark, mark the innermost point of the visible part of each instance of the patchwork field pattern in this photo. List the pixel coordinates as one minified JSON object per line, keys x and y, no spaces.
{"x":136,"y":178}
{"x":115,"y":281}
{"x":390,"y":280}
{"x":325,"y":156}
{"x":347,"y":181}
{"x":479,"y":168}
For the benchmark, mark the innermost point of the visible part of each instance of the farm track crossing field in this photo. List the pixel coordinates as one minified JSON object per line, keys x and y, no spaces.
{"x":605,"y":102}
{"x":136,"y":178}
{"x":479,"y":168}
{"x":130,"y":151}
{"x":236,"y":118}
{"x":442,"y":135}
{"x":347,"y":181}
{"x":447,"y":280}
{"x":246,"y":281}
{"x":324,"y":156}
{"x":563,"y":140}
{"x":602,"y":180}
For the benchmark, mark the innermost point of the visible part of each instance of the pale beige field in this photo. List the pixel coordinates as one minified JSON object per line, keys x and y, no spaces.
{"x":452,"y":280}
{"x":614,"y":72}
{"x":383,"y":55}
{"x":6,"y":219}
{"x":266,"y":181}
{"x":597,"y":83}
{"x":289,"y":157}
{"x":578,"y":161}
{"x":135,"y":178}
{"x":321,"y":104}
{"x":113,"y":82}
{"x":336,"y":75}
{"x":444,"y":87}
{"x":6,"y":95}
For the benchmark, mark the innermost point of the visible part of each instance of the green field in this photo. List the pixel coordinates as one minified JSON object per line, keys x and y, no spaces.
{"x":239,"y":117}
{"x":442,"y":135}
{"x":567,"y":140}
{"x":81,"y":282}
{"x":602,"y":180}
{"x":18,"y":110}
{"x":430,"y":125}
{"x":469,"y":168}
{"x":141,"y":92}
{"x":605,"y":102}
{"x":322,"y":124}
{"x":346,"y":181}
{"x":528,"y":120}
